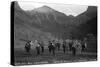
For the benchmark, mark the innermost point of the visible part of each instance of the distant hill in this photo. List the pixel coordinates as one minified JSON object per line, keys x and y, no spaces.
{"x":90,"y":23}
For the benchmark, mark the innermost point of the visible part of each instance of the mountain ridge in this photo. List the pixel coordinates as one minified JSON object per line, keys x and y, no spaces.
{"x":58,"y":24}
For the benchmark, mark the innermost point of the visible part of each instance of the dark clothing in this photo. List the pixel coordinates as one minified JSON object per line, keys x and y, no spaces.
{"x":38,"y":50}
{"x":42,"y":49}
{"x":70,"y":46}
{"x":27,"y":47}
{"x":58,"y":46}
{"x":83,"y":47}
{"x":64,"y":48}
{"x":74,"y":51}
{"x":51,"y":48}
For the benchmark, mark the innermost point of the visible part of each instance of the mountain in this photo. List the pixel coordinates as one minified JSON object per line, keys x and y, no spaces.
{"x":90,"y":24}
{"x":45,"y":23}
{"x":25,"y":28}
{"x":90,"y":13}
{"x":37,"y":24}
{"x":43,"y":9}
{"x":49,"y":14}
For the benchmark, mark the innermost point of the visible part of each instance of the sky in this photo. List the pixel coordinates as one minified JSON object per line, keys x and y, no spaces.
{"x":64,"y":8}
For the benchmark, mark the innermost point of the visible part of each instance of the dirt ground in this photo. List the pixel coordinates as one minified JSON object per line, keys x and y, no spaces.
{"x":23,"y":58}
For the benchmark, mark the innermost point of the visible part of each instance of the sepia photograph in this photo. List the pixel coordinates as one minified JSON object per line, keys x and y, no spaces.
{"x":50,"y":33}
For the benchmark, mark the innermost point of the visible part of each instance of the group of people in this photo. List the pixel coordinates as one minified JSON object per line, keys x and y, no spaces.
{"x":74,"y":46}
{"x":77,"y":46}
{"x":37,"y":45}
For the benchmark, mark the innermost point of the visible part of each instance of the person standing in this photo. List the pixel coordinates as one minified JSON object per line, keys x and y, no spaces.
{"x":70,"y":46}
{"x":28,"y":47}
{"x":64,"y":46}
{"x":42,"y":47}
{"x":84,"y":45}
{"x":37,"y":47}
{"x":74,"y":48}
{"x":51,"y":48}
{"x":58,"y":45}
